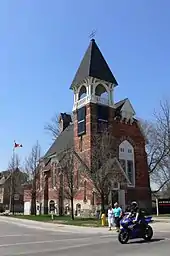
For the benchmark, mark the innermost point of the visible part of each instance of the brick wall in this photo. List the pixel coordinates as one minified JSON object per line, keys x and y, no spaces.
{"x":83,"y":145}
{"x":121,"y":131}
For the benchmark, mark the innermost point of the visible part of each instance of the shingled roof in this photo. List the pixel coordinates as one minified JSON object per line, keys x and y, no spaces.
{"x":62,"y":142}
{"x":94,"y":65}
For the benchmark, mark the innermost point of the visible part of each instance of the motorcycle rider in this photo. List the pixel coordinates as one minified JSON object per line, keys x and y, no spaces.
{"x":136,"y":212}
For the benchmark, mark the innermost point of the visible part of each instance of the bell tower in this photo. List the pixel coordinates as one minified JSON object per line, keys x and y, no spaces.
{"x":94,"y":81}
{"x":93,"y":88}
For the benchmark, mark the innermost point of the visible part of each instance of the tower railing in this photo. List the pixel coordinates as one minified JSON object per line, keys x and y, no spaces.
{"x":92,"y":98}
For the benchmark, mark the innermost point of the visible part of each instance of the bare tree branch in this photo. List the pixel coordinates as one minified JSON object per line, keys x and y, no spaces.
{"x":158,"y":146}
{"x":54,"y":127}
{"x":104,"y":171}
{"x":69,"y":176}
{"x":32,"y":170}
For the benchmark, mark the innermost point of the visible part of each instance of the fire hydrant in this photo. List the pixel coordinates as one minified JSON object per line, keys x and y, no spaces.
{"x":103,"y":218}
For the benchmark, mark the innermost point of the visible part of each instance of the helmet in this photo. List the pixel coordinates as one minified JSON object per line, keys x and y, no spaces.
{"x":134,"y":204}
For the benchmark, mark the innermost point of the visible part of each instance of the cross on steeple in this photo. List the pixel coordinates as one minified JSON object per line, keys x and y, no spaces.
{"x":92,"y":35}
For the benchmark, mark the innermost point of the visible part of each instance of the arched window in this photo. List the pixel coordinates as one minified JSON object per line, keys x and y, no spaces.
{"x":82,"y":92}
{"x":126,"y":158}
{"x":53,"y":175}
{"x":101,"y":91}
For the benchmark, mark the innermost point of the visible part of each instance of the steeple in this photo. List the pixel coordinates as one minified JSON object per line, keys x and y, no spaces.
{"x":93,"y":65}
{"x":94,"y":81}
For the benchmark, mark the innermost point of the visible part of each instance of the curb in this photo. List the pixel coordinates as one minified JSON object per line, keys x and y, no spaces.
{"x":54,"y":227}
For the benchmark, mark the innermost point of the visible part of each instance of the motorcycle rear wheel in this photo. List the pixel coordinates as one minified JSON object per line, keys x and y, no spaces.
{"x":148,"y":233}
{"x":123,"y":237}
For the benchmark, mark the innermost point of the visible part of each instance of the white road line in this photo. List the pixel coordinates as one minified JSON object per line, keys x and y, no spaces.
{"x":50,"y":241}
{"x":34,"y":252}
{"x":17,"y":235}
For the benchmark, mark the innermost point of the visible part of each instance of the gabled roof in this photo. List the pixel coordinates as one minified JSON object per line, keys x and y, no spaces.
{"x":124,"y":105}
{"x":120,"y":104}
{"x":94,"y":65}
{"x":62,"y":142}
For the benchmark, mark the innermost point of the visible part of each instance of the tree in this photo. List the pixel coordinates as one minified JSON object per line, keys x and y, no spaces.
{"x":32,"y":170}
{"x":157,"y":135}
{"x":14,"y":181}
{"x":54,"y":127}
{"x":105,"y":170}
{"x":68,"y":176}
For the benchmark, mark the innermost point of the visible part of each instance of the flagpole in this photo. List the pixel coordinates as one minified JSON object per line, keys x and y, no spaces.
{"x":11,"y":180}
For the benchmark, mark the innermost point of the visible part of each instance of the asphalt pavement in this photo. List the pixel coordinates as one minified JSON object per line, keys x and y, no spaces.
{"x":23,"y":241}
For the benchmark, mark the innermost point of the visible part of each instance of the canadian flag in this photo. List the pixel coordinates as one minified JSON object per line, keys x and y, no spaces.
{"x":16,"y":145}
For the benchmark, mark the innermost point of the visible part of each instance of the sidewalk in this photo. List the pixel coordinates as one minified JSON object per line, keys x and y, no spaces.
{"x":162,"y":219}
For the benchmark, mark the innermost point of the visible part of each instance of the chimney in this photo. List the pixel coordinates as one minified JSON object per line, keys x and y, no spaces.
{"x":64,"y":121}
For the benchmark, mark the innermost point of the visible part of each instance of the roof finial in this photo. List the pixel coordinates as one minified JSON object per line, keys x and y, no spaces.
{"x":92,"y":35}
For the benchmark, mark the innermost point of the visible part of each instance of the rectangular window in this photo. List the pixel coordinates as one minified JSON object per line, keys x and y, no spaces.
{"x":102,"y":112}
{"x":130,"y":170}
{"x":81,"y":118}
{"x":102,"y":118}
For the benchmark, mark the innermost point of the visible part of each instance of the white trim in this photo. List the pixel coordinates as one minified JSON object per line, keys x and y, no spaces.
{"x":115,"y":160}
{"x":100,"y":83}
{"x":127,"y":156}
{"x":90,"y":85}
{"x":125,"y":175}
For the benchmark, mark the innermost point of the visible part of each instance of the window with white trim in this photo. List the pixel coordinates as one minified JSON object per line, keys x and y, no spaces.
{"x":127,"y":160}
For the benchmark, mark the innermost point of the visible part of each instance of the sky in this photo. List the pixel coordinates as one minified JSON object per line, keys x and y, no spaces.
{"x":41,"y":46}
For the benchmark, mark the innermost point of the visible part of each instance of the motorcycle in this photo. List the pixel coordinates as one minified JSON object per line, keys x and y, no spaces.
{"x":129,"y":230}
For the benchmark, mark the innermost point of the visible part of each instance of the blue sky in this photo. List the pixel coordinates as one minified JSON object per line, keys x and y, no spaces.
{"x":42,"y":43}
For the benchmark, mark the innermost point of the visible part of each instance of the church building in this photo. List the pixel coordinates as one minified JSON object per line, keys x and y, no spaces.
{"x":94,"y":108}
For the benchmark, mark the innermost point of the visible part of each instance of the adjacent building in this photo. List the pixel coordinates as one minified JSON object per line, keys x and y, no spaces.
{"x":11,"y":190}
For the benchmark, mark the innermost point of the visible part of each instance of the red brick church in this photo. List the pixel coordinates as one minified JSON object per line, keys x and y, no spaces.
{"x":94,"y":86}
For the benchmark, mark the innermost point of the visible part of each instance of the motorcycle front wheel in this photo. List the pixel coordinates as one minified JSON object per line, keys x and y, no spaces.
{"x":123,"y":237}
{"x":148,"y":233}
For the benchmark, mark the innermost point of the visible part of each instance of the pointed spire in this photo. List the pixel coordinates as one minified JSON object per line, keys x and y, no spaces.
{"x":94,"y":65}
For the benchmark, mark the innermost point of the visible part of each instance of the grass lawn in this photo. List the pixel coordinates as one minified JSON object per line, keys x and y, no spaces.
{"x":78,"y":221}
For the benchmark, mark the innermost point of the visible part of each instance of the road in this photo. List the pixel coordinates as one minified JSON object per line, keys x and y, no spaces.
{"x":24,"y":241}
